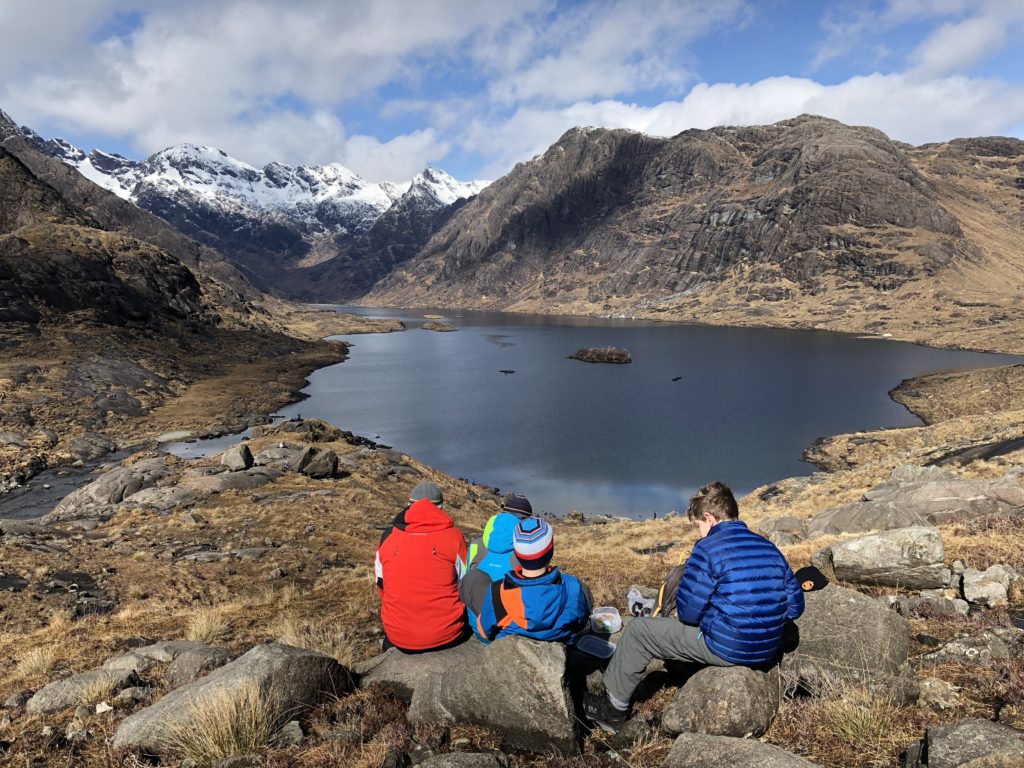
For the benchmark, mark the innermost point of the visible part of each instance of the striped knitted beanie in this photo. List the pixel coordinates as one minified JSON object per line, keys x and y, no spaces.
{"x":518,"y":505}
{"x":534,"y":543}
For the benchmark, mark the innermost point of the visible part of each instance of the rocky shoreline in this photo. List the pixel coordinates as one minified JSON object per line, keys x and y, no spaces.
{"x":140,"y":583}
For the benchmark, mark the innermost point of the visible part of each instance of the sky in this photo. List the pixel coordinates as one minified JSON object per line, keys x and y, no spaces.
{"x":387,"y":87}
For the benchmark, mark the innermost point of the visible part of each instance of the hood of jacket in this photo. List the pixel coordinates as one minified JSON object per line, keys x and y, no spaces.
{"x":498,"y":533}
{"x":423,"y":516}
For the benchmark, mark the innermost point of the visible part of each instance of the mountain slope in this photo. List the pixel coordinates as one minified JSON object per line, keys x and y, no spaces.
{"x":807,"y":222}
{"x":273,"y":220}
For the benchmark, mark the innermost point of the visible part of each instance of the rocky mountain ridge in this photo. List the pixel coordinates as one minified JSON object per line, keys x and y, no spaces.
{"x":806,"y":223}
{"x":272,"y":220}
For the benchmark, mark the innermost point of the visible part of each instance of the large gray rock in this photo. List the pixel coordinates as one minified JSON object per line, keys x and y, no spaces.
{"x":988,"y":588}
{"x":517,"y":687}
{"x":848,"y":639}
{"x":288,"y":457}
{"x":905,"y":557}
{"x":982,"y":648}
{"x":291,"y":680}
{"x":98,"y":497}
{"x":922,"y":496}
{"x":955,"y":745}
{"x":404,"y":673}
{"x":237,"y":457}
{"x":698,"y":750}
{"x":724,"y":701}
{"x":323,"y":465}
{"x":72,"y":691}
{"x":147,"y":657}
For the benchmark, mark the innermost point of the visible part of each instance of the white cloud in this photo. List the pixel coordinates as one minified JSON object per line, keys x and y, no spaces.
{"x":397,"y":159}
{"x":904,"y":106}
{"x":958,"y":46}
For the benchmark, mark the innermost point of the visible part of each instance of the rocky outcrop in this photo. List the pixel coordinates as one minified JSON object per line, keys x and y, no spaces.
{"x":440,"y":327}
{"x":237,"y":458}
{"x":906,"y":557}
{"x":291,"y":681}
{"x":724,"y":701}
{"x":966,"y":744}
{"x":846,"y":639}
{"x":97,"y":499}
{"x":697,"y":750}
{"x":513,"y":675}
{"x":916,"y":496}
{"x":602,"y":355}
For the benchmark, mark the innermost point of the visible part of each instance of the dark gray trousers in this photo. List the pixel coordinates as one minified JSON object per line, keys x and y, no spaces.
{"x":646,"y":639}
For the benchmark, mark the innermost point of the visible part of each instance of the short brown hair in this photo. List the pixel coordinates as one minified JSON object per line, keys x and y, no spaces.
{"x":717,"y":500}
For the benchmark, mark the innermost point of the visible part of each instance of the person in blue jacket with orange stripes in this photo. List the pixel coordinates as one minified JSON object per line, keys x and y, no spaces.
{"x":736,"y":594}
{"x":535,"y":599}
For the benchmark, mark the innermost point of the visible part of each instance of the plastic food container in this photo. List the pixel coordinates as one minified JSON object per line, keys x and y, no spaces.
{"x":592,"y":645}
{"x":605,"y":620}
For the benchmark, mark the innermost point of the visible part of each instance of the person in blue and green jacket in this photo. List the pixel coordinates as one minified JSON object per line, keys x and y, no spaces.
{"x":535,"y":599}
{"x":491,"y":555}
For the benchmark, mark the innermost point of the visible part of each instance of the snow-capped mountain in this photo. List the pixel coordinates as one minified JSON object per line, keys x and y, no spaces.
{"x":273,"y":220}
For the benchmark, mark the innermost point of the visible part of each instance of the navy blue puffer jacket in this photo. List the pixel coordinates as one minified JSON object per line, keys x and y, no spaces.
{"x":739,"y":589}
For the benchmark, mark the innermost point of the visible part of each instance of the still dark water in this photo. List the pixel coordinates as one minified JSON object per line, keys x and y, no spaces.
{"x":615,"y":439}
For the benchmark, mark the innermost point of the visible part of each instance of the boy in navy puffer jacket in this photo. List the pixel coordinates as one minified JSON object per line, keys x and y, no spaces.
{"x":535,"y":599}
{"x":734,"y":599}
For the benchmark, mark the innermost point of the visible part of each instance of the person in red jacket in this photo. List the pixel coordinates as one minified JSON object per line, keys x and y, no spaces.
{"x":419,"y":562}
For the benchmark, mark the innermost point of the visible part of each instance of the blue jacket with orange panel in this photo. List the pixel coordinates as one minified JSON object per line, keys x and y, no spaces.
{"x":739,"y":589}
{"x":552,"y":607}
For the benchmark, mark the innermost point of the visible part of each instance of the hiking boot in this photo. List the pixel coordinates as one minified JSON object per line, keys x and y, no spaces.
{"x":602,"y":714}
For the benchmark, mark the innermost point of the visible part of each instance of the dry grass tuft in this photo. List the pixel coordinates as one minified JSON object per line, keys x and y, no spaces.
{"x":324,"y":636}
{"x":225,"y":724}
{"x":207,"y":626}
{"x":39,"y":661}
{"x":96,"y":691}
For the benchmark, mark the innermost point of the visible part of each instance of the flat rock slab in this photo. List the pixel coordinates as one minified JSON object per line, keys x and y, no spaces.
{"x":698,"y":750}
{"x":905,"y":557}
{"x":959,"y":744}
{"x":404,"y":673}
{"x":517,"y":687}
{"x":98,"y":497}
{"x":291,"y":680}
{"x":844,"y":638}
{"x":163,"y":652}
{"x":724,"y":701}
{"x":232,"y":481}
{"x":70,"y":692}
{"x":465,"y":760}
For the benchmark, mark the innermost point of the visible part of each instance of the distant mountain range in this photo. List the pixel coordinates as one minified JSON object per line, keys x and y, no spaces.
{"x":805,"y":223}
{"x":278,"y":219}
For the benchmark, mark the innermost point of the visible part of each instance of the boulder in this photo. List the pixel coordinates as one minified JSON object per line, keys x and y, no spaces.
{"x":323,"y":465}
{"x":1002,"y":759}
{"x":165,"y":499}
{"x":404,"y":673}
{"x":91,"y":446}
{"x":957,"y":744}
{"x":783,"y":531}
{"x":843,"y":639}
{"x":938,"y":694}
{"x":72,"y":691}
{"x":699,"y":750}
{"x":512,"y":675}
{"x":988,"y":588}
{"x":291,"y":680}
{"x":860,"y":516}
{"x":724,"y":701}
{"x":915,"y":607}
{"x":147,"y":657}
{"x":283,"y":456}
{"x":237,"y":457}
{"x":98,"y":497}
{"x":905,"y":557}
{"x":194,"y":663}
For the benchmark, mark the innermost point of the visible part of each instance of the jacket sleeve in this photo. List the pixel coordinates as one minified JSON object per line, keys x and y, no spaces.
{"x":794,"y":595}
{"x":487,"y":620}
{"x":461,"y":557}
{"x":378,"y":566}
{"x":695,"y":588}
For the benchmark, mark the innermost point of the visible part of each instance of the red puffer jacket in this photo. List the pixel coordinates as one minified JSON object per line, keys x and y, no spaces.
{"x":419,"y":562}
